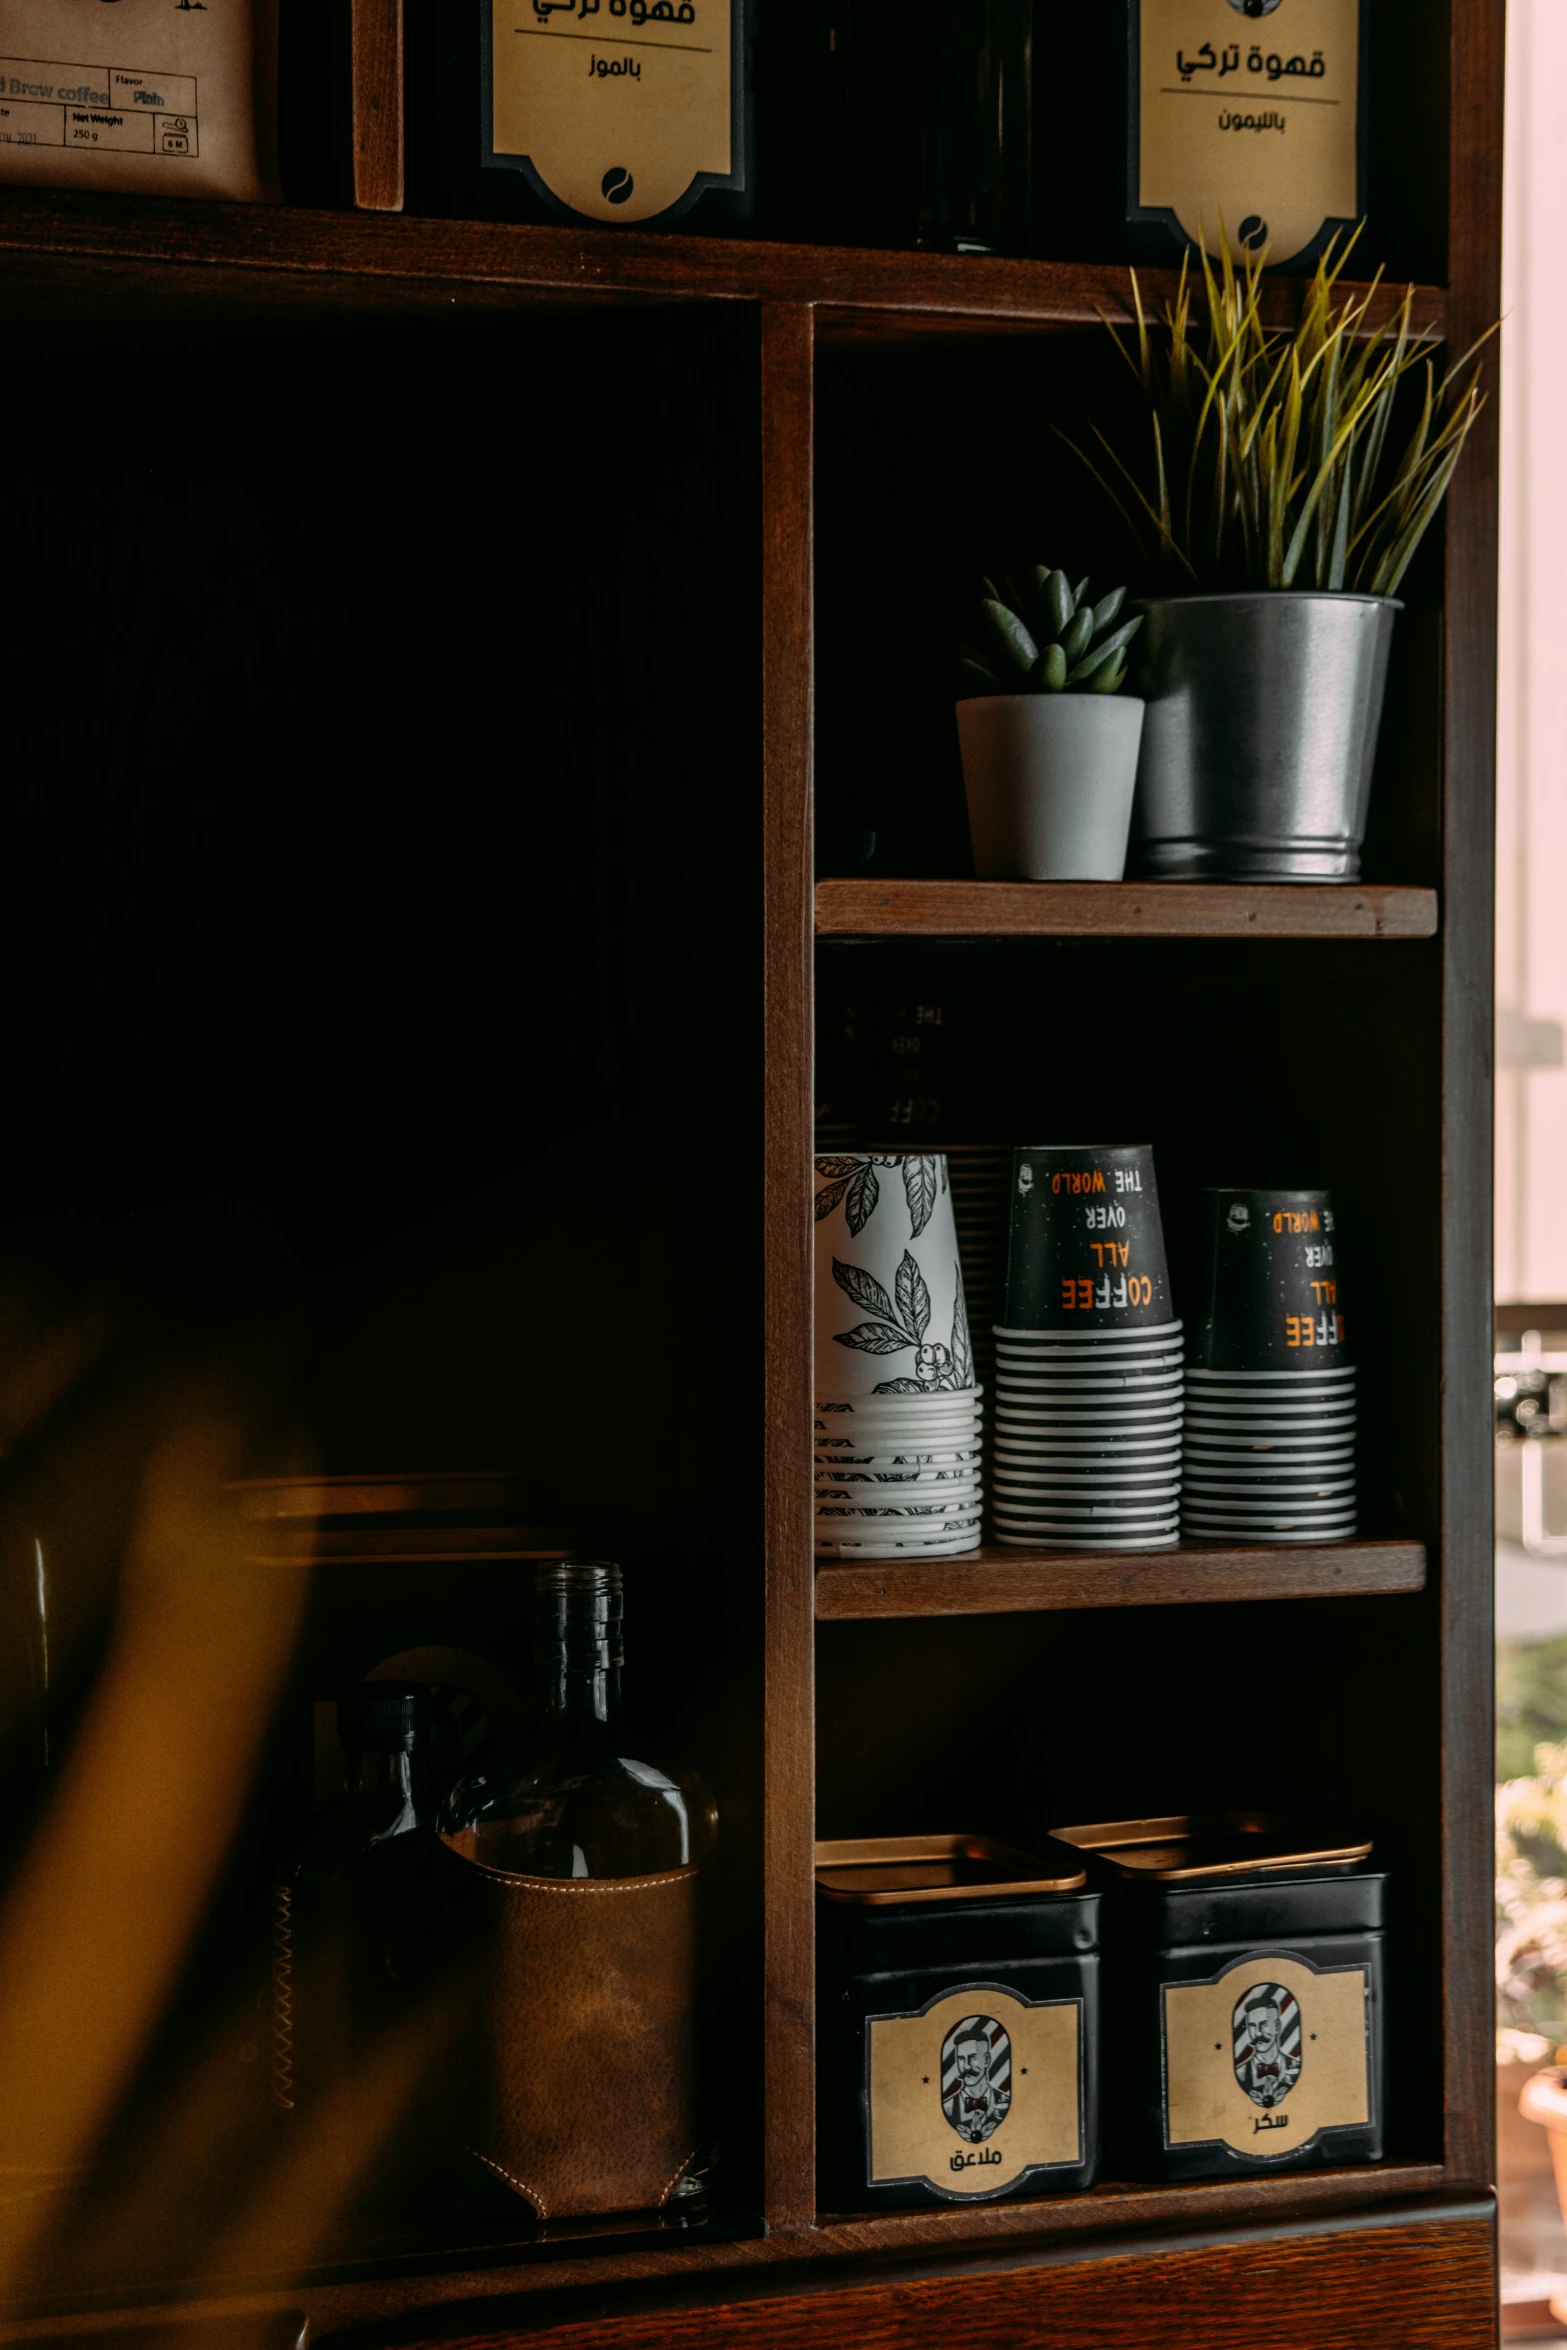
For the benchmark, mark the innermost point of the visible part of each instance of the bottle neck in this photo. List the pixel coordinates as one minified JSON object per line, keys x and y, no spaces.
{"x":577,"y":1688}
{"x":402,"y":1779}
{"x":577,"y":1642}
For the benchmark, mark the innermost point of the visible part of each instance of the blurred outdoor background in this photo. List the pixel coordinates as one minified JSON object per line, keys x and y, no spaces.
{"x":1531,"y":1177}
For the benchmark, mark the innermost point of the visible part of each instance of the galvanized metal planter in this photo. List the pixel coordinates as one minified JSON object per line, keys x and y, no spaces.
{"x":1260,"y":735}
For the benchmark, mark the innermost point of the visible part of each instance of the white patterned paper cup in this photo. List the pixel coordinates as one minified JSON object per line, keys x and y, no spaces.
{"x":890,"y":1314}
{"x":875,"y":1542}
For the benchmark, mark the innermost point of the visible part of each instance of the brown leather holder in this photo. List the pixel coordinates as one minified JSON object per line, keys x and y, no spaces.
{"x":578,"y":2085}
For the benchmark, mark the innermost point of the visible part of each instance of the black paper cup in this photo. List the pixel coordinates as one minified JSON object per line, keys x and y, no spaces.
{"x":1319,"y":1501}
{"x":1153,"y":1412}
{"x":1266,"y":1282}
{"x":1163,"y":1476}
{"x":1088,"y":1444}
{"x":1310,"y":1412}
{"x":1238,"y":1506}
{"x":1076,"y":1353}
{"x":1303,"y":1489}
{"x":1269,"y":1448}
{"x":1046,"y":1536}
{"x":1086,"y":1248}
{"x":1072,"y":1531}
{"x":1310,"y":1529}
{"x":1285,"y":1538}
{"x":1112,"y":1379}
{"x":1291,"y":1394}
{"x":1165,"y":1539}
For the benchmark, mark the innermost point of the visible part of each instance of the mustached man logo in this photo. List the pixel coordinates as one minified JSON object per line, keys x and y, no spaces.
{"x":1267,"y":2043}
{"x":1239,"y":1217}
{"x":976,"y":2077}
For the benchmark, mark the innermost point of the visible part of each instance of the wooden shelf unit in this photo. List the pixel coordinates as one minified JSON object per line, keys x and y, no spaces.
{"x":1423,"y":2217}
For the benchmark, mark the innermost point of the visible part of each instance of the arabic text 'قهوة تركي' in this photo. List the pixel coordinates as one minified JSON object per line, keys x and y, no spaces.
{"x":1210,"y":60}
{"x":640,"y":12}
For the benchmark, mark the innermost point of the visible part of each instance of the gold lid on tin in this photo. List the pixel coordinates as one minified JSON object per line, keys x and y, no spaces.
{"x":1199,"y":1847}
{"x":887,"y":1869}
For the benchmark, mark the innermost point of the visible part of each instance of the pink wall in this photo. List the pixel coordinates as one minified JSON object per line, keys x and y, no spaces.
{"x":1531,"y":1220}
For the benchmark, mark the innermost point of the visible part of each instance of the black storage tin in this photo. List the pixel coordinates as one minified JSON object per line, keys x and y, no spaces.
{"x":1243,"y":1996}
{"x":959,"y":2012}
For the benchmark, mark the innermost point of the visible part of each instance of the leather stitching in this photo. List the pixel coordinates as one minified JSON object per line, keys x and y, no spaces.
{"x":537,"y":2200}
{"x":675,"y":2181}
{"x":572,"y":1885}
{"x":282,"y":2063}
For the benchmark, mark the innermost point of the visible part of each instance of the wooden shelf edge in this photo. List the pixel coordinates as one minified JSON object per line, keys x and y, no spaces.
{"x":57,"y":229}
{"x":1301,"y":2198}
{"x":1114,"y":2207}
{"x":1001,"y":1581}
{"x":851,"y":908}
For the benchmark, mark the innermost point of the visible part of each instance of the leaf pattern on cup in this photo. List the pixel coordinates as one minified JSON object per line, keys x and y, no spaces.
{"x":962,"y":1351}
{"x":896,"y":1327}
{"x":939,"y":1369}
{"x":854,"y":1181}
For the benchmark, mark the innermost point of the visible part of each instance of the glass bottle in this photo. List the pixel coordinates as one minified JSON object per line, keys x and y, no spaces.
{"x":571,"y":1801}
{"x":971,"y":67}
{"x":921,"y":115}
{"x":337,"y":1915}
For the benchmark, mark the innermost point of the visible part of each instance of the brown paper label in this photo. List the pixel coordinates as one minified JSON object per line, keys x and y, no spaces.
{"x":617,"y":104}
{"x":1250,"y":120}
{"x":1266,"y":2056}
{"x":165,"y":97}
{"x":980,"y":2088}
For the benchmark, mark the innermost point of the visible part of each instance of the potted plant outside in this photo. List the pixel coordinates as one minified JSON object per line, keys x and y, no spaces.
{"x":1049,"y":739}
{"x":1289,"y":479}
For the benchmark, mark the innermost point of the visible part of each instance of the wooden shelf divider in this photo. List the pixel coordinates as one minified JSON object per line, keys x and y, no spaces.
{"x":1001,"y":1581}
{"x":852,"y":908}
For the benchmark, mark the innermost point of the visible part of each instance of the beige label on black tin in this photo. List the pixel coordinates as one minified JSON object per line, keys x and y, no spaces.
{"x":1266,"y":2056}
{"x":980,"y":2088}
{"x":617,"y":104}
{"x":1252,"y":120}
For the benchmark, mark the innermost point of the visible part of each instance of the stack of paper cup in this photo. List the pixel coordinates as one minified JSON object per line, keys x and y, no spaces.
{"x":897,"y":1405}
{"x":1087,"y":1452}
{"x":1270,"y":1411}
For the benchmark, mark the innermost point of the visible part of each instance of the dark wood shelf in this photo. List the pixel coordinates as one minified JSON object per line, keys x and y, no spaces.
{"x":1114,"y":2205}
{"x":538,"y":2274}
{"x":1000,"y":1581}
{"x":97,"y":250}
{"x":1120,"y":909}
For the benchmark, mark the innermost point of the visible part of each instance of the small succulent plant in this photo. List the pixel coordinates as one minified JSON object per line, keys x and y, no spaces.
{"x":1042,"y":636}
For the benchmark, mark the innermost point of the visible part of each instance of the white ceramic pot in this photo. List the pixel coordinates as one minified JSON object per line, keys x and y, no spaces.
{"x":1050,"y":779}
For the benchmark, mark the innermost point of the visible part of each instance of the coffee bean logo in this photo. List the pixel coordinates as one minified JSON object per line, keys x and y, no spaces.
{"x":617,"y":183}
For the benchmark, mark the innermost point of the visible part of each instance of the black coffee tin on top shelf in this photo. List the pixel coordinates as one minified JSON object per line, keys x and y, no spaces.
{"x":959,"y":2008}
{"x":1243,"y":1996}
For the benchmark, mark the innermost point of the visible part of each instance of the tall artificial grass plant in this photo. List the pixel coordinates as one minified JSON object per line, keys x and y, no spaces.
{"x":1311,"y":460}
